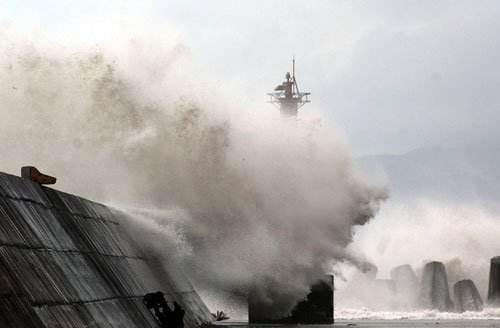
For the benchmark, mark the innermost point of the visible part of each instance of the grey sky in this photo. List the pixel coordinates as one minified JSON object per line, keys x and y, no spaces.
{"x":393,"y":75}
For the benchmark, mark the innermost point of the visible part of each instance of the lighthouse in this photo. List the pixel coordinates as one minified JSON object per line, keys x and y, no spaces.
{"x":287,"y":96}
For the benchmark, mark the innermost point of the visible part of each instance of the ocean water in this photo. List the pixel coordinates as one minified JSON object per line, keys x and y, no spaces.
{"x":379,"y":323}
{"x":490,"y":314}
{"x":489,"y":317}
{"x":361,"y":318}
{"x":448,"y":323}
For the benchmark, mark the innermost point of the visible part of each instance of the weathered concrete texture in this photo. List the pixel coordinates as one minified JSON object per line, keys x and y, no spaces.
{"x":467,"y":297}
{"x":67,"y":262}
{"x":434,"y":290}
{"x":406,"y":286}
{"x":494,"y":284}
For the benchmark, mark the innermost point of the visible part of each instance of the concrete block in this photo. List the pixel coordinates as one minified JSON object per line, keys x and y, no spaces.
{"x":406,"y":286}
{"x":434,"y":290}
{"x":467,"y":297}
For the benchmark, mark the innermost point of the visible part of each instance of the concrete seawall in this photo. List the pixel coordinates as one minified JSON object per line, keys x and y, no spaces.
{"x":67,"y":262}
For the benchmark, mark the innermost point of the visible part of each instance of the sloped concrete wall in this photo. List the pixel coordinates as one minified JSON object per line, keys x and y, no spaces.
{"x":67,"y":262}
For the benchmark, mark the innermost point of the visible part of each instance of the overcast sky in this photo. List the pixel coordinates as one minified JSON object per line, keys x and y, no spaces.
{"x":392,"y":75}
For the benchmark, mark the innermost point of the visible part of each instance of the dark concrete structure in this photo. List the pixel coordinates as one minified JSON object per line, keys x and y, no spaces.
{"x":494,"y":284}
{"x":406,"y":286}
{"x":68,"y":262}
{"x":467,"y":297}
{"x":315,"y":308}
{"x":434,"y":290}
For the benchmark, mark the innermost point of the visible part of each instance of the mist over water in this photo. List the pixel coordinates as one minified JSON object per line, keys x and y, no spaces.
{"x":247,"y":200}
{"x":462,"y":236}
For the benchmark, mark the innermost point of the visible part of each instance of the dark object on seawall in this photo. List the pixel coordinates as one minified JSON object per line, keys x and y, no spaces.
{"x":164,"y":315}
{"x":31,"y":173}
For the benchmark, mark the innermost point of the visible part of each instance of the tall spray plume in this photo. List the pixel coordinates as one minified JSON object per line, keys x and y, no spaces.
{"x":255,"y":202}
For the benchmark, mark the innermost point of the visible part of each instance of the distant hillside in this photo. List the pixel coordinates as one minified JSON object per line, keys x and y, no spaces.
{"x":463,"y":175}
{"x":444,"y":205}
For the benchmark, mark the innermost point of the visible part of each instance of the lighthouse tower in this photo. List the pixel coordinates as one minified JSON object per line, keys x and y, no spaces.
{"x":287,"y":96}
